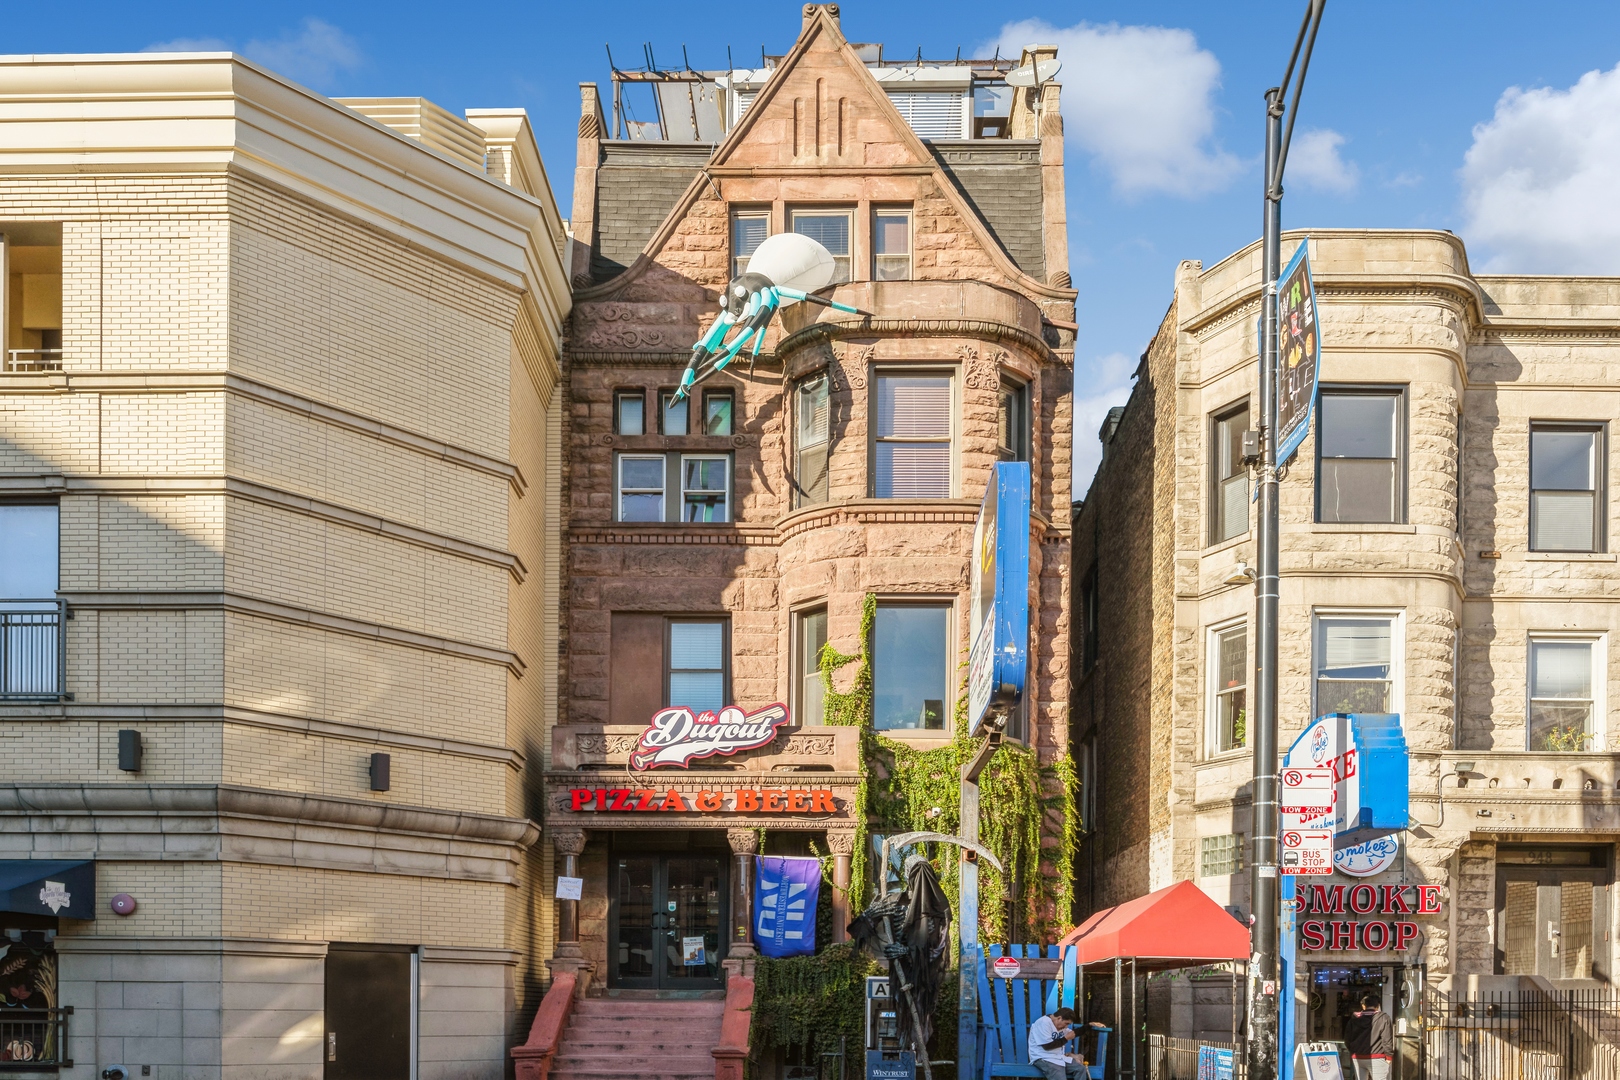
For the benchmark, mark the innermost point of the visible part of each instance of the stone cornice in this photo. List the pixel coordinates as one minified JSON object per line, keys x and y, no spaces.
{"x":237,"y":603}
{"x":829,"y":331}
{"x":153,"y":822}
{"x":851,"y":511}
{"x":165,"y":112}
{"x":186,"y":382}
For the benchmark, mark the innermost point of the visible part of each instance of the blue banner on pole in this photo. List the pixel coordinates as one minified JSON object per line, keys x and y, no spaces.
{"x":785,"y":893}
{"x":1287,"y":949}
{"x":998,"y":614}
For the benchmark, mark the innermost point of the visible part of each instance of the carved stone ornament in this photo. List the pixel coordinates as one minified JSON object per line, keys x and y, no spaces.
{"x":982,"y":373}
{"x":743,"y":841}
{"x":849,"y":371}
{"x":810,"y":746}
{"x":608,"y":745}
{"x":568,"y":841}
{"x":841,"y":843}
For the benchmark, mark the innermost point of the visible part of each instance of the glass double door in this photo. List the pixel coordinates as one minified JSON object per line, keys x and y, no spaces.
{"x":666,"y":922}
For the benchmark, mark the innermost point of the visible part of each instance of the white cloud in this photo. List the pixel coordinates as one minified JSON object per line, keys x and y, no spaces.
{"x":206,"y":44}
{"x":1313,"y":158}
{"x":1140,"y":100}
{"x":1109,"y":381}
{"x":1539,"y":181}
{"x":314,"y":53}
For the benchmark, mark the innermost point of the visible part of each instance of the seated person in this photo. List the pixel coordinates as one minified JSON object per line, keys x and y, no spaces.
{"x":1046,"y":1038}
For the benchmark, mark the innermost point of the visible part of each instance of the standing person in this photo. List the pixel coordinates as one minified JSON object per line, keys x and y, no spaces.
{"x":1370,"y":1034}
{"x":1046,"y":1038}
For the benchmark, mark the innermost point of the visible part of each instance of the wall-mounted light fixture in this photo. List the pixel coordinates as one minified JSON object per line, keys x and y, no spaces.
{"x":379,"y":772}
{"x":129,"y":750}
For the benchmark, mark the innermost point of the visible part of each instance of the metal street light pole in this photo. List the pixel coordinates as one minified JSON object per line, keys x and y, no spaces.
{"x":1265,"y":995}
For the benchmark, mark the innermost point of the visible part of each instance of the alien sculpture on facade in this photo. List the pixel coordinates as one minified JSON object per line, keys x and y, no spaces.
{"x":784,"y":269}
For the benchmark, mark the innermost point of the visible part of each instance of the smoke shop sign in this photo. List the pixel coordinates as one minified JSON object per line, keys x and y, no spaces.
{"x":1395,"y":933}
{"x":677,"y":736}
{"x":740,"y":801}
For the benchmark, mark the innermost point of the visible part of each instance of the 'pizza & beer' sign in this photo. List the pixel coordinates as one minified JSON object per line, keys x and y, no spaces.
{"x":739,"y":801}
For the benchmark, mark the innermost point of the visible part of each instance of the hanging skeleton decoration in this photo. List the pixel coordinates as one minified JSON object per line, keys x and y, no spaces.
{"x":783,"y":270}
{"x":911,"y":930}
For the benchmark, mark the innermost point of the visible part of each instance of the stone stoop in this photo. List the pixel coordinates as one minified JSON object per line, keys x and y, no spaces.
{"x":647,"y":1039}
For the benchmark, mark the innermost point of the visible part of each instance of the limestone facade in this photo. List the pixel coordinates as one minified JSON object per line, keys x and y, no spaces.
{"x":1455,"y":581}
{"x":301,"y":447}
{"x":821,"y":134}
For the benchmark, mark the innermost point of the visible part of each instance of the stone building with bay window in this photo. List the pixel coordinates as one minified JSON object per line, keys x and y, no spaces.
{"x":1447,"y":554}
{"x":715,"y":545}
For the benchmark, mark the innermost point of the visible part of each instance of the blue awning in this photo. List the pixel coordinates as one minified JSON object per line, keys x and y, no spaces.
{"x":48,"y":887}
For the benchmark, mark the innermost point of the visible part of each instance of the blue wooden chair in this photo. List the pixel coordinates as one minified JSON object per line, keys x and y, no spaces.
{"x":1007,"y":1007}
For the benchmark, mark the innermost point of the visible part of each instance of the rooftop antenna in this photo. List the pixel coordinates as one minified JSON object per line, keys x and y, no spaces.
{"x":618,"y":98}
{"x":1036,"y":76}
{"x":684,"y":58}
{"x":762,"y":63}
{"x":959,"y":54}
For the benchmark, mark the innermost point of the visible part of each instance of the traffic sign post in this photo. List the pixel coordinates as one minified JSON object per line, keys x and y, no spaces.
{"x":1307,"y":851}
{"x":1306,"y":791}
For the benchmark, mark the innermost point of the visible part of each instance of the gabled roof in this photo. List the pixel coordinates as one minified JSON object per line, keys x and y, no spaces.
{"x":904,"y":150}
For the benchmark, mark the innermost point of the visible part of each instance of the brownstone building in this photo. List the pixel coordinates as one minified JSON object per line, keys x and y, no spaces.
{"x":714,"y":546}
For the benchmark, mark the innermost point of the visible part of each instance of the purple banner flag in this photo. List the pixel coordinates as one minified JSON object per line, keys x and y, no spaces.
{"x":785,"y":894}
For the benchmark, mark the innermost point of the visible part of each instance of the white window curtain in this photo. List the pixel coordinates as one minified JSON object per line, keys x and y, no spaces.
{"x":697,"y":665}
{"x":932,"y":114}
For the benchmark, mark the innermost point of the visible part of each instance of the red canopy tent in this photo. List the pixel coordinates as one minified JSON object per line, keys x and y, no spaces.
{"x":1176,"y":927}
{"x":1179,"y":926}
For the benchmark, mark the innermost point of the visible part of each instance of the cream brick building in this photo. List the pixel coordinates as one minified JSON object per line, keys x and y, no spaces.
{"x":1447,"y":554}
{"x":279,"y":452}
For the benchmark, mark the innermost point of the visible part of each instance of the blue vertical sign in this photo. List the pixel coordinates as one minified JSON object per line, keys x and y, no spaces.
{"x":1288,"y":922}
{"x":999,"y":578}
{"x":786,"y":890}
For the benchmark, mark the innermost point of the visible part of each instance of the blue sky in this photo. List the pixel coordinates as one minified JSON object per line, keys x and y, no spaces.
{"x":1500,"y":122}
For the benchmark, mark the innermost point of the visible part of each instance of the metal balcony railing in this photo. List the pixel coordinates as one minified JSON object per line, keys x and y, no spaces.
{"x":24,"y":360}
{"x":33,"y":650}
{"x":32,"y":1039}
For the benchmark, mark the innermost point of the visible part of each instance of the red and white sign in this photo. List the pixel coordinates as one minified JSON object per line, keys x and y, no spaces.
{"x":677,"y":737}
{"x":1006,"y":967}
{"x":1307,"y":851}
{"x":1307,"y":791}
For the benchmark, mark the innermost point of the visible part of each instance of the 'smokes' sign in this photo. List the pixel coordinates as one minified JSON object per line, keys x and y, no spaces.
{"x":678,"y":737}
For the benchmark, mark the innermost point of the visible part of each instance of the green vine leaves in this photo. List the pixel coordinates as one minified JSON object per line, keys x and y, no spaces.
{"x":1027,"y":816}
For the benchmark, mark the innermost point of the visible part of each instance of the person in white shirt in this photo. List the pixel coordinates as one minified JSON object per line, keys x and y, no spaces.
{"x":1046,"y":1038}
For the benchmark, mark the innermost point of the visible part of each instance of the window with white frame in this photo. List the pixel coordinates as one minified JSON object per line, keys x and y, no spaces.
{"x":673,"y":487}
{"x":830,"y":229}
{"x":1230,"y":513}
{"x":911,"y":646}
{"x":1355,"y":657}
{"x":1229,"y":687}
{"x":672,"y":414}
{"x":809,"y":636}
{"x":641,"y":487}
{"x":749,"y":228}
{"x":811,"y":407}
{"x":1565,"y":688}
{"x":696,"y":671}
{"x":891,"y":245}
{"x":629,"y":412}
{"x":1566,"y":485}
{"x":913,"y":437}
{"x":705,"y":487}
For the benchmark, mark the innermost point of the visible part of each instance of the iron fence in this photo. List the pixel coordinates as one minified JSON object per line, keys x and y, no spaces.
{"x":32,"y":1038}
{"x":1523,"y":1035}
{"x":33,"y":650}
{"x":1170,"y":1058}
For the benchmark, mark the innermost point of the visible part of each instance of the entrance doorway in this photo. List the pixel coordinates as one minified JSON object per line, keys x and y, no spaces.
{"x":666,"y":920}
{"x":1552,"y":911}
{"x":370,"y":1012}
{"x":1334,"y":993}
